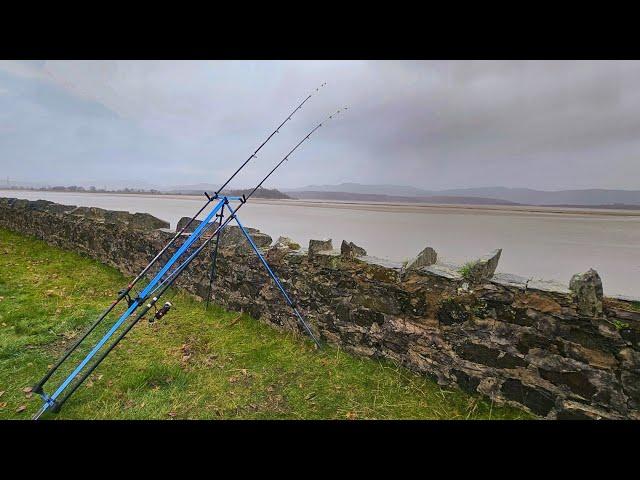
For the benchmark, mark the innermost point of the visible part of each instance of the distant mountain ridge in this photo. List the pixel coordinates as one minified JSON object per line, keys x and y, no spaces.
{"x":593,"y":196}
{"x":399,"y":190}
{"x":370,"y":197}
{"x":526,"y":196}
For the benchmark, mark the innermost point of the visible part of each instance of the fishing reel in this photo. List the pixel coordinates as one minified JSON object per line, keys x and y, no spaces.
{"x":161,"y":313}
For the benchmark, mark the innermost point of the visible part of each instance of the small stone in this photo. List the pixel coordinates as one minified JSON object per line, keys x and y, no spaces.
{"x":350,"y":249}
{"x":316,"y":246}
{"x":426,"y":257}
{"x":587,"y":292}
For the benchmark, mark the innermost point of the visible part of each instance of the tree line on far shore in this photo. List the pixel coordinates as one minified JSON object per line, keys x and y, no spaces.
{"x":270,"y":193}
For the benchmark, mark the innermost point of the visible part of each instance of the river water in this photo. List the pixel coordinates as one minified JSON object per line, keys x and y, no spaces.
{"x":538,"y":242}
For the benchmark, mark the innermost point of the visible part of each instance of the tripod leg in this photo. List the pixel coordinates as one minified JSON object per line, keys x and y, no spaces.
{"x":40,"y":412}
{"x":277,"y":282}
{"x":214,"y":260}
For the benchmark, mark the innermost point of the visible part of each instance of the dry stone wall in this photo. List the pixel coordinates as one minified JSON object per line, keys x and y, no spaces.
{"x":559,"y":352}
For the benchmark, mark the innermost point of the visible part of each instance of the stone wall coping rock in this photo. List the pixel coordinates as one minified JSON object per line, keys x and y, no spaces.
{"x":522,"y":283}
{"x":316,"y":246}
{"x":443,"y":270}
{"x":510,"y":280}
{"x":428,"y":256}
{"x":484,"y":267}
{"x":350,"y":249}
{"x":551,"y":286}
{"x":380,"y":262}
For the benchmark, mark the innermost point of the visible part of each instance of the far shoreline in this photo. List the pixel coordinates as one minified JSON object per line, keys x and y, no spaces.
{"x":400,"y":207}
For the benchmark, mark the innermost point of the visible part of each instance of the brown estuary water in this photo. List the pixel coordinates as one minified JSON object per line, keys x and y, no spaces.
{"x":537,"y":242}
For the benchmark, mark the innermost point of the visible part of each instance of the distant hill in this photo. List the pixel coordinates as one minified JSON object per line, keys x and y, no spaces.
{"x":524,"y":196}
{"x":611,"y":206}
{"x":594,"y":196}
{"x":367,"y":197}
{"x":399,"y":190}
{"x":271,"y":193}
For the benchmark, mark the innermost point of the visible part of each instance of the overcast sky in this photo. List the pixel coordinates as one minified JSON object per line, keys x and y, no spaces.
{"x":431,"y":124}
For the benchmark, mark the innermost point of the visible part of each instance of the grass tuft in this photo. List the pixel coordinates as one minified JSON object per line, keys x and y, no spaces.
{"x":467,"y":270}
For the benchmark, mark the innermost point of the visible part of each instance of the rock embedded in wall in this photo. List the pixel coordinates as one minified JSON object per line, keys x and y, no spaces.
{"x":317,"y":246}
{"x":484,"y":268}
{"x":587,"y":288}
{"x":425,"y":258}
{"x":351,"y":250}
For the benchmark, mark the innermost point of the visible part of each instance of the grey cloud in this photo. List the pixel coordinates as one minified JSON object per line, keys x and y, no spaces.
{"x":430,"y":124}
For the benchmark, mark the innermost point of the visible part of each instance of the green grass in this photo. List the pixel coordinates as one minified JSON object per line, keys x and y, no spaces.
{"x":467,"y":270}
{"x":193,"y":363}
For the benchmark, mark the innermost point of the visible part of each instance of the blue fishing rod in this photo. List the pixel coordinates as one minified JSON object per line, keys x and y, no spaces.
{"x":157,"y":287}
{"x":125,"y":292}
